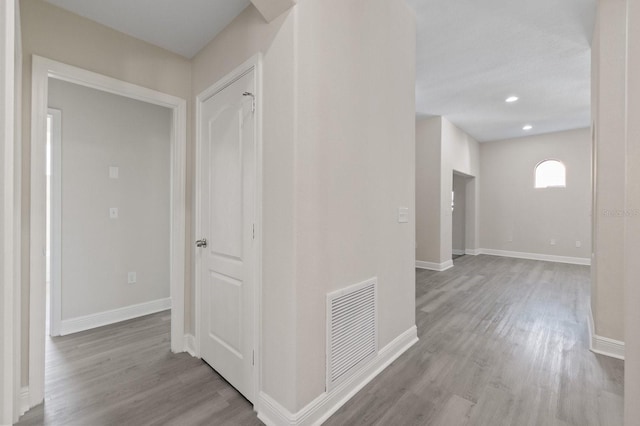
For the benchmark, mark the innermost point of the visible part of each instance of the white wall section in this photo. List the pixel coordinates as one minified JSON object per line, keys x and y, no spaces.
{"x":327,"y":137}
{"x":8,"y":218}
{"x":517,"y":217}
{"x":441,"y":150}
{"x":632,"y":223}
{"x":609,"y":94}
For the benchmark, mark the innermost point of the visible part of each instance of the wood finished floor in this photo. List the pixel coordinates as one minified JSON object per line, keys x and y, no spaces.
{"x":502,"y":342}
{"x":125,"y":374}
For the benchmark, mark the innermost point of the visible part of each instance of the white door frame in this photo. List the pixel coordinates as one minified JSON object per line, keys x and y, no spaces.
{"x":43,"y":69}
{"x":56,"y":223}
{"x":255,"y":64}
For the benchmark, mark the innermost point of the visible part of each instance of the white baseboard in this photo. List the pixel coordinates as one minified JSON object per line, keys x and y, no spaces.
{"x":439,"y":267}
{"x":459,"y":252}
{"x":537,"y":256}
{"x":75,"y":325}
{"x":24,"y":400}
{"x":603,"y":345}
{"x":189,"y":345}
{"x":321,"y":408}
{"x":472,"y":252}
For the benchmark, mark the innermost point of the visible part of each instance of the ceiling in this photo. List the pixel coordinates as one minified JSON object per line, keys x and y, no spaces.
{"x":181,"y":26}
{"x":471,"y":54}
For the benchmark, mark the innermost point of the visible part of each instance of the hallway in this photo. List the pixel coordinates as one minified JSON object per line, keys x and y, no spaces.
{"x":502,"y":342}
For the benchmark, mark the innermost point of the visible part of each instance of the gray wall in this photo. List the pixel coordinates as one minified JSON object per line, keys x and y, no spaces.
{"x":632,"y":223}
{"x":101,"y":130}
{"x":517,"y":217}
{"x":428,"y":166}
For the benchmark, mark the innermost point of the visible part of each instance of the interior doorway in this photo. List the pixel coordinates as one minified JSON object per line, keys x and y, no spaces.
{"x":463,"y":215}
{"x":43,"y":201}
{"x":458,"y":206}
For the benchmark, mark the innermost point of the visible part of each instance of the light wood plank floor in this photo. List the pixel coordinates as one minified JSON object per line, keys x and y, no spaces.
{"x":502,"y":342}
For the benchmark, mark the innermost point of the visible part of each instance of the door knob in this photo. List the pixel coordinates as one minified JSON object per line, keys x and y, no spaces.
{"x":201,"y":243}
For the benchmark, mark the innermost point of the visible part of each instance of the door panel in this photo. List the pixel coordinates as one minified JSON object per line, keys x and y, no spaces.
{"x":227,"y":220}
{"x":226,"y":313}
{"x":226,"y":182}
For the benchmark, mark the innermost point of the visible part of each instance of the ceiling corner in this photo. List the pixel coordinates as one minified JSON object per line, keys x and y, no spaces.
{"x":271,"y":9}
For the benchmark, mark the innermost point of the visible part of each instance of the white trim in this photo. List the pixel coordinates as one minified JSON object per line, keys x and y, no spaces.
{"x":321,"y":408}
{"x":9,"y":288}
{"x":603,"y":345}
{"x":23,"y":401}
{"x":43,"y":69}
{"x":55,"y":311}
{"x":472,"y":252}
{"x":87,"y":322}
{"x":537,"y":256}
{"x":439,"y":267}
{"x":254,"y":63}
{"x":459,"y":252}
{"x":17,"y":220}
{"x":190,"y":345}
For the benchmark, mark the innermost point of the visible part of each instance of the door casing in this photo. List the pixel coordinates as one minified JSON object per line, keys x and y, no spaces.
{"x":255,"y":64}
{"x":56,"y":223}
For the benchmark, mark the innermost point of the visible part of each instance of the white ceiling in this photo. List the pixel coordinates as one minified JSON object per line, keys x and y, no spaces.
{"x":472,"y":54}
{"x":181,"y":26}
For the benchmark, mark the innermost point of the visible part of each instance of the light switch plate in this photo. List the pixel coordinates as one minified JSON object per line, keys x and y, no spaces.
{"x":403,"y":214}
{"x":113,"y":212}
{"x":131,"y":278}
{"x":114,"y":172}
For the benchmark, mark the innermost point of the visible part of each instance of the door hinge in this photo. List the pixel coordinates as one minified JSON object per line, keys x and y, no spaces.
{"x":253,"y":100}
{"x":253,"y":231}
{"x":253,"y":357}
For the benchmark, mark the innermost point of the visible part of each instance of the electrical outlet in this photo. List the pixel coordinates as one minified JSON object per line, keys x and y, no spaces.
{"x":114,"y":172}
{"x":113,"y":212}
{"x":553,"y":242}
{"x":131,"y":278}
{"x":578,"y":244}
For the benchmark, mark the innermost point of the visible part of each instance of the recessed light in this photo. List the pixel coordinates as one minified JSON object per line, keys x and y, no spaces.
{"x":527,"y":127}
{"x":511,"y":99}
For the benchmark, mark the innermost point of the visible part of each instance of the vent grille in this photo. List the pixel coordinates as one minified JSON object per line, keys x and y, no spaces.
{"x":352,"y":330}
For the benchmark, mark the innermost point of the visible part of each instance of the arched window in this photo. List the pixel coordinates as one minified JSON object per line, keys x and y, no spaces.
{"x":551,"y":174}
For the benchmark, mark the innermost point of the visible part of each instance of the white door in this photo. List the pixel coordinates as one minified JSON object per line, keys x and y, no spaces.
{"x":227,"y":272}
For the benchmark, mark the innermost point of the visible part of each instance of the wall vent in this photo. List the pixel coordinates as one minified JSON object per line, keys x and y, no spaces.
{"x":352,"y":330}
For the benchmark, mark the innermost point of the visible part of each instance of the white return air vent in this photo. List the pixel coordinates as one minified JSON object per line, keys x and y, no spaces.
{"x":352,"y":330}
